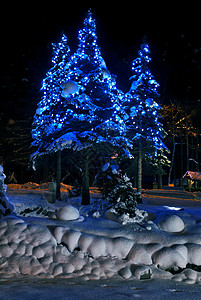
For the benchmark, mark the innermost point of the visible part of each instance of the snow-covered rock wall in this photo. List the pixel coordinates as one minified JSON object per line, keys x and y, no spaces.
{"x":99,"y":249}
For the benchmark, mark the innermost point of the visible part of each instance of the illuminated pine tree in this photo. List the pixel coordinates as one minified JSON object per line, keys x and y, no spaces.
{"x":144,"y":126}
{"x":87,"y":109}
{"x":43,"y":124}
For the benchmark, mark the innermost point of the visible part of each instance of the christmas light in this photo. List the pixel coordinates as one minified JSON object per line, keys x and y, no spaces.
{"x":143,"y":125}
{"x":78,"y":97}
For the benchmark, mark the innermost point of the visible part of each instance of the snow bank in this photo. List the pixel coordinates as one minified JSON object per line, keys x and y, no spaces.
{"x":77,"y":249}
{"x":99,"y":248}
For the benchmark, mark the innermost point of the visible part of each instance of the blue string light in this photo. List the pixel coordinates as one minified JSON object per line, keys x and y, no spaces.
{"x":141,"y":105}
{"x":79,"y":94}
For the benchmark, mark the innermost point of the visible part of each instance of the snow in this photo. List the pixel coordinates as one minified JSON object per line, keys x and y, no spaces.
{"x":171,"y":223}
{"x":68,"y":213}
{"x":69,"y":88}
{"x":162,"y":243}
{"x":5,"y":206}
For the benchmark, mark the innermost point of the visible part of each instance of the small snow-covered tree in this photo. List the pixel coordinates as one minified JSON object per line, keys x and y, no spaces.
{"x":143,"y":124}
{"x":123,"y":198}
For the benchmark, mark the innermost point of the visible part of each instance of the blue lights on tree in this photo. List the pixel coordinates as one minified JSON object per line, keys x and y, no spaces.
{"x":141,"y":100}
{"x":43,"y":123}
{"x":143,"y":125}
{"x":81,"y":105}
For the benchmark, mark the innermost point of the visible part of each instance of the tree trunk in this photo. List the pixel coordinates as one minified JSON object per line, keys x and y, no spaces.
{"x":160,"y":181}
{"x":85,"y":180}
{"x":172,"y":161}
{"x":58,"y":175}
{"x":182,"y":166}
{"x":139,"y":174}
{"x":45,"y":169}
{"x":187,"y":150}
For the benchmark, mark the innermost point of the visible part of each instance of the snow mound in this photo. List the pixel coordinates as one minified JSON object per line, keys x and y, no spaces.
{"x":95,"y":250}
{"x":188,"y":276}
{"x":140,"y":217}
{"x":68,"y":213}
{"x":171,"y":223}
{"x":100,"y":248}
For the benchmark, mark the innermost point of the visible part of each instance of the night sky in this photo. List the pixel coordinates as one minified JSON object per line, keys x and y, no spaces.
{"x":173,"y":35}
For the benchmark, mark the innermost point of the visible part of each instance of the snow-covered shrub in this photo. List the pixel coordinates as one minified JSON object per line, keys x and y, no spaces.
{"x":6,"y":207}
{"x":107,"y":178}
{"x":123,"y":198}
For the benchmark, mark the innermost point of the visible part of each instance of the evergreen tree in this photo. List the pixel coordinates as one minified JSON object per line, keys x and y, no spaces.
{"x":122,"y":198}
{"x":83,"y":105}
{"x":143,"y":123}
{"x":44,"y":123}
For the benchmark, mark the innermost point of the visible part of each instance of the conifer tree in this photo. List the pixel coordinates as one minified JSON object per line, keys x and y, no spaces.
{"x":86,"y":108}
{"x":123,"y":198}
{"x":43,"y":122}
{"x":143,"y":124}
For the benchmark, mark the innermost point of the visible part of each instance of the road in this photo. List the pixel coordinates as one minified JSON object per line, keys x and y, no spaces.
{"x":32,"y":289}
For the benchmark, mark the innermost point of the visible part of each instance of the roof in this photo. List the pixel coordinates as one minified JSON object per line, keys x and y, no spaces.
{"x":192,"y":175}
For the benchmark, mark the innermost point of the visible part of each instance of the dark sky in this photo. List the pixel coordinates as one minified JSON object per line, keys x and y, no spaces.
{"x":173,"y":33}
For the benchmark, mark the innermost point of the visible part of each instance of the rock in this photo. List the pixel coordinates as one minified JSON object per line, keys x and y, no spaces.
{"x":68,"y":213}
{"x":171,"y":223}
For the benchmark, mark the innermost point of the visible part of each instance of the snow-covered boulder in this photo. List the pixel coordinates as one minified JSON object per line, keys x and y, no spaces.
{"x":68,"y":213}
{"x":171,"y":223}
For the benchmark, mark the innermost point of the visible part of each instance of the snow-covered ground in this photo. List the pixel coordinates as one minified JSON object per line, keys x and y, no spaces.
{"x":167,"y":241}
{"x":163,"y":243}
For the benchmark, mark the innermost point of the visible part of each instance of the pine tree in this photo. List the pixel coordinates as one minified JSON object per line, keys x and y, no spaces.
{"x":144,"y":126}
{"x":82,"y":108}
{"x":122,"y":198}
{"x":44,"y":123}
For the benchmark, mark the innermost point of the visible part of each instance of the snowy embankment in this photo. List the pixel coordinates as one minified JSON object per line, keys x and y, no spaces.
{"x":165,"y":244}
